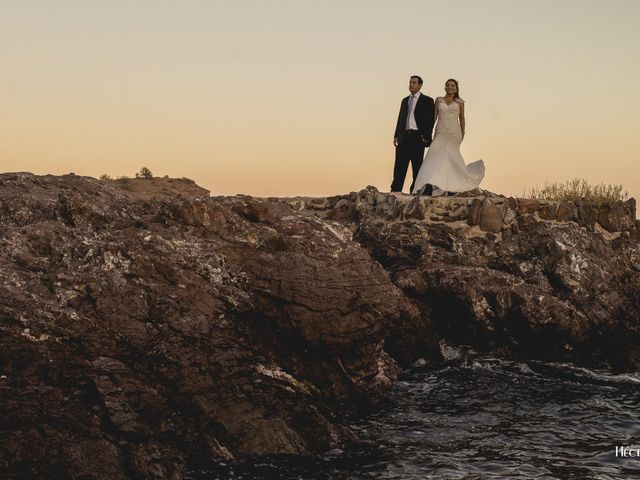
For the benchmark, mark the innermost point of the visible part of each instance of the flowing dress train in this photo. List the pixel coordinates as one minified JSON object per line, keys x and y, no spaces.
{"x":443,"y":166}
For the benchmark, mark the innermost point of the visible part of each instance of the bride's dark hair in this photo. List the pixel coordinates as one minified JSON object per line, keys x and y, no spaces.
{"x":457,"y":94}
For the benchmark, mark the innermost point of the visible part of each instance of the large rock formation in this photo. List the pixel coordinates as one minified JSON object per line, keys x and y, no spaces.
{"x":147,"y":327}
{"x":528,"y":279}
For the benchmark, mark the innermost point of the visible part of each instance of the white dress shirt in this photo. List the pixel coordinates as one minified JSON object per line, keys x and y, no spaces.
{"x":412,"y":119}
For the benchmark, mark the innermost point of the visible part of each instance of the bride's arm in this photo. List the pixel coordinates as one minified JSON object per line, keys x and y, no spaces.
{"x":462,"y":125}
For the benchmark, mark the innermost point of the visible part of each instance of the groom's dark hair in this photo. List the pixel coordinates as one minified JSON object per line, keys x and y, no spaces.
{"x":417,"y":77}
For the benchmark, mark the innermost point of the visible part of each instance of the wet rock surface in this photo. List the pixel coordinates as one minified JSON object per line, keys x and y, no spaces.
{"x":147,"y":327}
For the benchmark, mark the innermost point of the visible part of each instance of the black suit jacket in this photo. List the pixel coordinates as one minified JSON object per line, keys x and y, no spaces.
{"x":424,"y":113}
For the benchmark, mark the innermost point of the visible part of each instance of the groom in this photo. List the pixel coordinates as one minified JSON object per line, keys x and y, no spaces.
{"x":413,"y":133}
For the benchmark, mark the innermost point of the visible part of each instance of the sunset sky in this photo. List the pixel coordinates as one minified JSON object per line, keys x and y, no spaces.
{"x":300,"y":97}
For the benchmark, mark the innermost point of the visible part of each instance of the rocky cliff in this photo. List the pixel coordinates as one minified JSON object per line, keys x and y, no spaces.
{"x":147,"y":327}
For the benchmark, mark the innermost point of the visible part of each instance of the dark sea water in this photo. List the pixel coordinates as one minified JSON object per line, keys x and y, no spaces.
{"x":481,"y":418}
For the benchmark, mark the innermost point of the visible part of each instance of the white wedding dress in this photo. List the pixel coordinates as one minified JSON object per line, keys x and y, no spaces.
{"x":443,"y":166}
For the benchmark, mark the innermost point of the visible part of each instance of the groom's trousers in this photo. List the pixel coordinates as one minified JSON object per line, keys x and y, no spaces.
{"x":410,"y":149}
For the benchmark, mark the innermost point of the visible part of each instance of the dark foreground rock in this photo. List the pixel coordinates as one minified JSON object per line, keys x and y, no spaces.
{"x":147,"y":327}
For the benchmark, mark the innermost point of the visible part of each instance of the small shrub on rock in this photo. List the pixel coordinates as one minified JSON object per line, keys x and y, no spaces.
{"x":580,"y":190}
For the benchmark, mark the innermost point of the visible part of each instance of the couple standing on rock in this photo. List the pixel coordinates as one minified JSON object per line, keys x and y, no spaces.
{"x":442,"y":170}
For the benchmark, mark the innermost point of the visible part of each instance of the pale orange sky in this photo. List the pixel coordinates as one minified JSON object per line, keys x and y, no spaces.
{"x":301,"y":97}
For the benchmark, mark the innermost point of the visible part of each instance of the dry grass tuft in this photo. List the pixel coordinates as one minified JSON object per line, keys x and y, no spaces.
{"x":579,"y":189}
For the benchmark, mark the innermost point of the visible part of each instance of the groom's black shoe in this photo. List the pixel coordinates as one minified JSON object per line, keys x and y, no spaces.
{"x":428,"y":190}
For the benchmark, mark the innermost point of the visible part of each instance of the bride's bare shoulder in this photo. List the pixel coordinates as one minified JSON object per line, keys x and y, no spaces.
{"x":460,"y":101}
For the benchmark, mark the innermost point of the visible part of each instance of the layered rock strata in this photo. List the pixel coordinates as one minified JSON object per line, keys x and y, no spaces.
{"x":146,"y":327}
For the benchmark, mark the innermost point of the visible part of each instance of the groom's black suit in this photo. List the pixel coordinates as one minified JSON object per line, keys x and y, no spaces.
{"x":411,"y":143}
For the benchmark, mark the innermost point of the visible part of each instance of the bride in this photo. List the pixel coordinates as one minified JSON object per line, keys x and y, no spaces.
{"x":443,"y":169}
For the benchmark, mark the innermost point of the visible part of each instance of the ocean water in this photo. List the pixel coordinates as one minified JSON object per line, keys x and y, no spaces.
{"x":477,"y":417}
